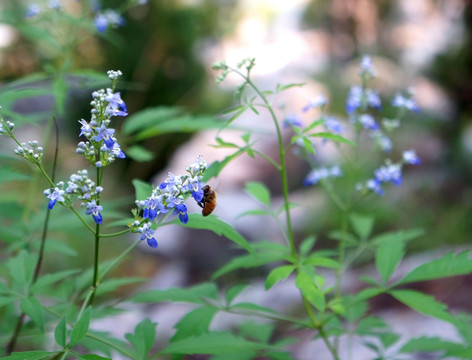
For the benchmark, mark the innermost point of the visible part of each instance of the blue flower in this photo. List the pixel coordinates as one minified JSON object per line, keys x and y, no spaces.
{"x":105,"y":134}
{"x":32,"y":10}
{"x":317,"y":102}
{"x":368,"y":122}
{"x":292,"y":120}
{"x":333,"y":125}
{"x":367,"y":67}
{"x":410,"y":157}
{"x":181,"y":209}
{"x":55,"y":196}
{"x":354,"y":98}
{"x":153,"y":207}
{"x":86,"y":127}
{"x":108,"y":18}
{"x":321,"y":173}
{"x":148,"y":234}
{"x":375,"y":186}
{"x":94,"y":209}
{"x":405,"y":102}
{"x":389,"y":173}
{"x":116,"y":106}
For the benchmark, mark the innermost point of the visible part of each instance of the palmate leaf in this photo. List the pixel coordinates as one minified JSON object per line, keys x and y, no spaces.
{"x":259,"y":192}
{"x":80,"y":328}
{"x":10,"y":175}
{"x":430,"y":344}
{"x":195,"y":323}
{"x":139,"y":153}
{"x":247,"y":262}
{"x":309,"y":290}
{"x":278,"y":274}
{"x":333,"y":137}
{"x":448,"y":265}
{"x":195,"y":294}
{"x":362,"y":225}
{"x":143,"y":337}
{"x":28,"y":355}
{"x":424,"y":304}
{"x":214,"y":343}
{"x":219,"y":227}
{"x":60,"y":333}
{"x":32,"y":307}
{"x":149,"y":117}
{"x":91,"y":357}
{"x":234,"y":291}
{"x":49,"y":279}
{"x":388,"y":256}
{"x":142,"y":189}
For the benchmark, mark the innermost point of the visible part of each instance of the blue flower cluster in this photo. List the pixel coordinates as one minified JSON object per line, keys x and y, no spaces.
{"x":81,"y":186}
{"x":359,"y":104}
{"x":33,"y":154}
{"x":390,"y":173}
{"x":318,"y":174}
{"x":102,"y":148}
{"x":169,"y":196}
{"x":103,"y":19}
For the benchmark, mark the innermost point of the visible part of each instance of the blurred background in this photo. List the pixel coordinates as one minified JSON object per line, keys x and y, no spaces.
{"x":165,"y":50}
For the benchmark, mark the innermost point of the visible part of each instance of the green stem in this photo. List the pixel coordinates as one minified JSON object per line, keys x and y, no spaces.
{"x":97,"y":244}
{"x":115,"y":234}
{"x":268,"y":159}
{"x":283,"y":169}
{"x":319,"y":327}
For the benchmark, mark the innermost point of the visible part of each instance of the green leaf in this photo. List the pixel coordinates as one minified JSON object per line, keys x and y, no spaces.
{"x":214,"y":343}
{"x":80,"y":328}
{"x":32,"y":307}
{"x":388,"y":256}
{"x":424,"y":304}
{"x":219,"y":227}
{"x":321,"y":261}
{"x":139,"y":153}
{"x":430,"y":344}
{"x":233,"y":292}
{"x":92,"y":357}
{"x":5,"y":300}
{"x":22,"y":269}
{"x":404,"y":236}
{"x":142,"y":189}
{"x":309,"y":290}
{"x":247,"y":262}
{"x":215,"y":168}
{"x":448,"y":265}
{"x":253,"y":307}
{"x":278,"y":274}
{"x":255,"y":331}
{"x":195,"y":323}
{"x":28,"y":355}
{"x":143,"y":337}
{"x":307,"y":245}
{"x":333,"y":137}
{"x":59,"y":89}
{"x":191,"y":295}
{"x":9,"y":175}
{"x":49,"y":279}
{"x":260,"y":212}
{"x":113,"y":284}
{"x":60,"y":333}
{"x":149,"y":117}
{"x":259,"y":192}
{"x":280,"y":87}
{"x":362,"y":225}
{"x":181,"y":124}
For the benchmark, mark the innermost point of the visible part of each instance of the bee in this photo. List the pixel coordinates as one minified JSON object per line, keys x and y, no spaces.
{"x":208,"y":202}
